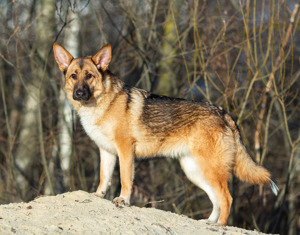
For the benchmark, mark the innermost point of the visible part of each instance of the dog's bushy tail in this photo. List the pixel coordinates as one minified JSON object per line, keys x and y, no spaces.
{"x":244,"y":167}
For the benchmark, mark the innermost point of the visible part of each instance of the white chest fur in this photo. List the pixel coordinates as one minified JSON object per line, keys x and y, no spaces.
{"x":101,"y":134}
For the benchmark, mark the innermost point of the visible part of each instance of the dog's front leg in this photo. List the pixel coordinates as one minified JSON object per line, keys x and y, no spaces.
{"x":126,"y":160}
{"x":107,"y":165}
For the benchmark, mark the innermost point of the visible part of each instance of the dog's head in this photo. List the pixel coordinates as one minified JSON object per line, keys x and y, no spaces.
{"x":83,"y":75}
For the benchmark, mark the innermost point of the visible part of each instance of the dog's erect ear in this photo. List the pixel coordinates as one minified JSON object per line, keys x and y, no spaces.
{"x":103,"y":57}
{"x":62,"y":57}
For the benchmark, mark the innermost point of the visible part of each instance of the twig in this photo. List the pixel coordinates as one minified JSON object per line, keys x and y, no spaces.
{"x":269,"y":86}
{"x":183,"y":57}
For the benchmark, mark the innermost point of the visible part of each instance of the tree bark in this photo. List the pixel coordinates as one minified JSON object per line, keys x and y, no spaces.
{"x":65,"y":137}
{"x":31,"y":134}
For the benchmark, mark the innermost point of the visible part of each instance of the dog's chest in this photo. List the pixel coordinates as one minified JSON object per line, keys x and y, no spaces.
{"x":100,"y":134}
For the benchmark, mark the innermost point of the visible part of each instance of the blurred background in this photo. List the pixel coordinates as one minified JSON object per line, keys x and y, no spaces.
{"x":242,"y":55}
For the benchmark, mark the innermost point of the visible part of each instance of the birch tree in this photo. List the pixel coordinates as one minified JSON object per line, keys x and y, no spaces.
{"x":65,"y":138}
{"x":31,"y":134}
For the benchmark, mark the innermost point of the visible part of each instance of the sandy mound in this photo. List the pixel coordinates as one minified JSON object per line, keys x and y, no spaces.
{"x":83,"y":213}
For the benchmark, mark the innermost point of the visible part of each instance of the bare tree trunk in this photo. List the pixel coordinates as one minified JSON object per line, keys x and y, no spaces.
{"x":31,"y":134}
{"x":65,"y":138}
{"x":45,"y":30}
{"x":28,"y":141}
{"x":294,"y":218}
{"x":168,"y":80}
{"x":166,"y":85}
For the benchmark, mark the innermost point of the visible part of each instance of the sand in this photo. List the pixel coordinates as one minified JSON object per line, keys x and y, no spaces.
{"x":80,"y":212}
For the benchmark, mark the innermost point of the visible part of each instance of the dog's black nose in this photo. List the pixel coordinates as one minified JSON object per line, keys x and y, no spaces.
{"x":80,"y":93}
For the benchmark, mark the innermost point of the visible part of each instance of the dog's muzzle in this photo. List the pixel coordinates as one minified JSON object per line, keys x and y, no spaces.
{"x":82,"y":93}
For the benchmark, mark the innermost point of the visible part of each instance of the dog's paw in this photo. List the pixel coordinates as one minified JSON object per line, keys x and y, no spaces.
{"x":120,"y":202}
{"x":99,"y":194}
{"x":207,"y":221}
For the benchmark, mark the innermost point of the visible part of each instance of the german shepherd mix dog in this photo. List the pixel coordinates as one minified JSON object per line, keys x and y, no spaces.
{"x":128,"y":122}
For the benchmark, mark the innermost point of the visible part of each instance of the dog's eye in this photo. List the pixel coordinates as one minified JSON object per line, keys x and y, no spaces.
{"x":74,"y":76}
{"x":89,"y":76}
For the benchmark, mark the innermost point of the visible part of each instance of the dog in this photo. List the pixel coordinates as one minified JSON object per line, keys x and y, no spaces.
{"x":128,"y":122}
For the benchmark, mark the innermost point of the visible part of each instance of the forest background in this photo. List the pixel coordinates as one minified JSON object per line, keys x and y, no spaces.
{"x":239,"y":54}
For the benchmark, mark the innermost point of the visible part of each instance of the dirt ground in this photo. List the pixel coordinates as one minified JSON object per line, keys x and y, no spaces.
{"x":80,"y":212}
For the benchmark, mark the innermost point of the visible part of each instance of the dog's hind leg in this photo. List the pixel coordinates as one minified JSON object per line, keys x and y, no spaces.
{"x":107,"y":165}
{"x":213,"y":180}
{"x":196,"y":176}
{"x":222,"y":191}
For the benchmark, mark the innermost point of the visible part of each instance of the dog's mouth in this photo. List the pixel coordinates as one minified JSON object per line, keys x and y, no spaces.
{"x":82,"y":93}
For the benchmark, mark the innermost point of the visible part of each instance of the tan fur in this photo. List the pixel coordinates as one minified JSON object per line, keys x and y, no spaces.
{"x":128,"y":122}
